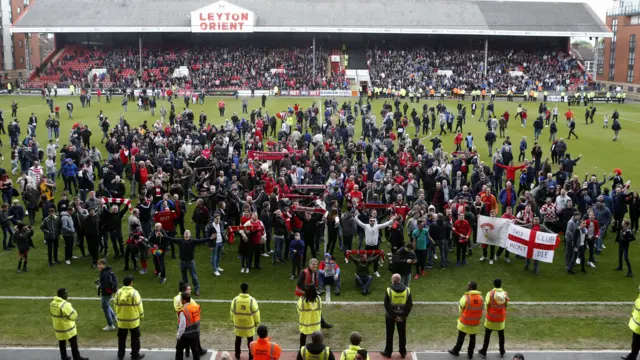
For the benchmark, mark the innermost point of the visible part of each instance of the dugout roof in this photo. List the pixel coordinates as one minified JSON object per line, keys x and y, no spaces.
{"x":452,"y":17}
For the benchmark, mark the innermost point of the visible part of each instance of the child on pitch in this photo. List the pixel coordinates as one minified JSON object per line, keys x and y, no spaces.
{"x":296,"y":252}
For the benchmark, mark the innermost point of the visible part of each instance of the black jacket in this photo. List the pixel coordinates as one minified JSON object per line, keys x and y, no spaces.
{"x":400,"y":264}
{"x":395,"y":310}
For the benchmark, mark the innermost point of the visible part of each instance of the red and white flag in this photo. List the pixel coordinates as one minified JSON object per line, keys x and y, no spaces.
{"x":532,"y":244}
{"x":493,"y":231}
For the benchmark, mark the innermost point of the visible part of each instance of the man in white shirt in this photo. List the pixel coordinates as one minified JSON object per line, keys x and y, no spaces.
{"x":561,"y":201}
{"x":372,"y":233}
{"x":215,"y":232}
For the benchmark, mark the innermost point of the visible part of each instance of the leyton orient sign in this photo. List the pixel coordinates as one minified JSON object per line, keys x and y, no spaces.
{"x":222,"y":17}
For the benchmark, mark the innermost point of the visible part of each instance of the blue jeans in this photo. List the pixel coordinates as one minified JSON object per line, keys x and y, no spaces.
{"x":603,"y":233}
{"x":190,"y":266}
{"x":364,"y":282}
{"x":328,"y":281}
{"x":406,"y":279}
{"x":83,"y":194}
{"x":108,"y":311}
{"x":278,"y":248}
{"x":216,"y":254}
{"x":5,"y":230}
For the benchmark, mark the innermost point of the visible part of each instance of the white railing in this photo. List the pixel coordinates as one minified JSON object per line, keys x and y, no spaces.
{"x":624,"y":11}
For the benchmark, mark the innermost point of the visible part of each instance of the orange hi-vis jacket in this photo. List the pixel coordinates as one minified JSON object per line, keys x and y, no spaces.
{"x":472,"y":313}
{"x":264,"y":349}
{"x":192,"y":314}
{"x":496,"y":313}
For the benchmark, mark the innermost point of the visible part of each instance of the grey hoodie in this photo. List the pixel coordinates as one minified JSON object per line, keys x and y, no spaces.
{"x":67,"y":224}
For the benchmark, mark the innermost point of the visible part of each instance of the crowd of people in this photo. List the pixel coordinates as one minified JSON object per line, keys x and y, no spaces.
{"x":425,"y":67}
{"x":282,"y":184}
{"x":208,"y":68}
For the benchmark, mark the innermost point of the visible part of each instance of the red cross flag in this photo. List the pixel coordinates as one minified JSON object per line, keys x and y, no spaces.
{"x":532,"y":243}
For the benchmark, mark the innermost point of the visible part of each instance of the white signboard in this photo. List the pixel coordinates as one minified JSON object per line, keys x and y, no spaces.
{"x":222,"y":17}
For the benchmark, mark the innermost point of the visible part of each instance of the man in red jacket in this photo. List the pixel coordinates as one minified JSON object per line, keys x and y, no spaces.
{"x":462,"y":231}
{"x":255,"y":238}
{"x":165,"y":218}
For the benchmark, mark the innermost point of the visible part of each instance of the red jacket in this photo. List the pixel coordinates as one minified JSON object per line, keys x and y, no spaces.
{"x":596,"y":227}
{"x":462,"y":229}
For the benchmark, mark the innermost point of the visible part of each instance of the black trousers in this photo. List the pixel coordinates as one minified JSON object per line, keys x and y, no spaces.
{"x":80,"y":242}
{"x":135,"y":342}
{"x":68,"y":246}
{"x":391,"y":325}
{"x":52,"y":250}
{"x":188,"y":342}
{"x":116,"y":242}
{"x":487,"y":338}
{"x":460,"y":341}
{"x":239,"y":342}
{"x":75,"y":352}
{"x":92,"y":245}
{"x":635,"y":347}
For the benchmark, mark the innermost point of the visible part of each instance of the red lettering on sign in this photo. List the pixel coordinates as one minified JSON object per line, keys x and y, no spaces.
{"x":244,"y":16}
{"x":223,"y":21}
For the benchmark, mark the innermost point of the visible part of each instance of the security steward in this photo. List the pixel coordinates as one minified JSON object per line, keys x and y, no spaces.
{"x":496,"y":303}
{"x":316,"y":350}
{"x":309,"y":313}
{"x":188,"y":327}
{"x":177,"y":305}
{"x":397,"y":305}
{"x":64,"y":325}
{"x":245,"y":316}
{"x":352,"y":352}
{"x":471,"y":306}
{"x":634,"y":325}
{"x":264,"y":348}
{"x":309,"y":277}
{"x":129,"y":311}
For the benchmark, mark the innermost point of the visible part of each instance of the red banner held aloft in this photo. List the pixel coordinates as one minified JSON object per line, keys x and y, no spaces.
{"x":316,"y":210}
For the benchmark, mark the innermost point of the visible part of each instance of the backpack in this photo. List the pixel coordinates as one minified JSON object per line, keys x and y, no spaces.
{"x":112,"y":284}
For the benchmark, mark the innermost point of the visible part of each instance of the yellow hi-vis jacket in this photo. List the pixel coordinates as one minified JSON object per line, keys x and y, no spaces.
{"x":177,"y":302}
{"x":64,"y":318}
{"x":310,"y":315}
{"x":128,"y":306}
{"x":350,"y":353}
{"x":307,"y":355}
{"x":245,"y":315}
{"x":634,"y":322}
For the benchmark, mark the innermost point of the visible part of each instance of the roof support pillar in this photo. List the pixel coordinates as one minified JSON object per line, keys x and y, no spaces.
{"x":486,"y":54}
{"x":140,"y":52}
{"x":313,"y":49}
{"x":27,"y":53}
{"x":595,"y":61}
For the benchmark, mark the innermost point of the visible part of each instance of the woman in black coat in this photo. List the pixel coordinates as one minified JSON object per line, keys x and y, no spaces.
{"x":634,"y":211}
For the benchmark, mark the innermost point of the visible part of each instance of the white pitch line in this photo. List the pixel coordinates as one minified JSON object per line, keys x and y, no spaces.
{"x":327,"y":296}
{"x":366,"y":303}
{"x":414,"y":356}
{"x":214,"y":353}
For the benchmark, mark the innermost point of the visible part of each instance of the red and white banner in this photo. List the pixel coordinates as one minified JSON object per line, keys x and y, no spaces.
{"x":272,"y":155}
{"x":118,"y":201}
{"x":493,"y":231}
{"x":532,"y":244}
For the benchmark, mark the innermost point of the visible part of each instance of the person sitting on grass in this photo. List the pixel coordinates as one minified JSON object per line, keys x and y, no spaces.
{"x":363,"y":271}
{"x":329,"y":274}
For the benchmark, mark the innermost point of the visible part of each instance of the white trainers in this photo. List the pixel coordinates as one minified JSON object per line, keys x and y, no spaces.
{"x":490,"y":262}
{"x":483,"y":258}
{"x":246,"y":271}
{"x":242,"y":270}
{"x":265,"y":255}
{"x":216,"y":273}
{"x":604,"y":247}
{"x":270,"y":251}
{"x":592,"y":264}
{"x":507,"y":260}
{"x":377,"y":274}
{"x":220,"y":269}
{"x":578,"y":261}
{"x":435,"y":256}
{"x":109,"y":328}
{"x":495,"y":258}
{"x":74,"y":257}
{"x":68,"y":262}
